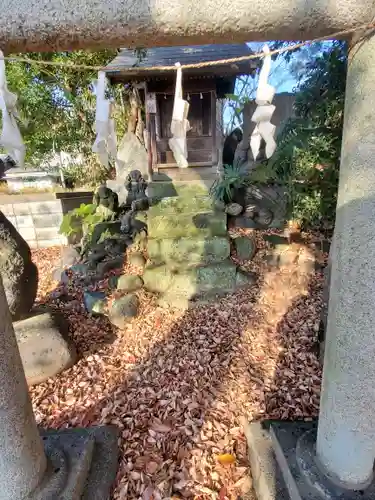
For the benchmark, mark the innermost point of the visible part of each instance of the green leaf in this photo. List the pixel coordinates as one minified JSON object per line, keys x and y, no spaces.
{"x":232,"y":97}
{"x":85,"y":209}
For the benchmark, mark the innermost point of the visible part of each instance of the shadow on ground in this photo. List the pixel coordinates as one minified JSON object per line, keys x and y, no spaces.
{"x":179,"y":386}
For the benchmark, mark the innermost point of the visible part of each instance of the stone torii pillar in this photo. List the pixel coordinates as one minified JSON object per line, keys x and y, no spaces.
{"x":69,"y":464}
{"x":22,"y":458}
{"x":346,"y":430}
{"x":335,"y":458}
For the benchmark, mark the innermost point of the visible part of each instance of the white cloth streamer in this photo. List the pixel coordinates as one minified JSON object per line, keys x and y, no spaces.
{"x":263,"y":113}
{"x":180,"y":124}
{"x":10,"y":137}
{"x":105,"y":144}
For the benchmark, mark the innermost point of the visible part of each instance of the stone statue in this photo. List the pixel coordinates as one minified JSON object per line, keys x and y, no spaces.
{"x":106,"y":202}
{"x":230,"y":145}
{"x":136,"y":187}
{"x":266,"y":205}
{"x":132,"y":226}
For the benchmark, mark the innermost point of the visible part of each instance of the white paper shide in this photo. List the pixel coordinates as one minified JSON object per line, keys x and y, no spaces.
{"x":10,"y":138}
{"x":180,"y":124}
{"x":105,"y":144}
{"x":264,"y":129}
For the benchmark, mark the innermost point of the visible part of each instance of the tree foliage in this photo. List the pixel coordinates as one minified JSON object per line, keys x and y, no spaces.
{"x":57,"y":106}
{"x":308,"y":153}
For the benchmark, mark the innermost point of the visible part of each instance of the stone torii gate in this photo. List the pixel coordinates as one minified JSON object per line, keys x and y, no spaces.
{"x":337,"y":459}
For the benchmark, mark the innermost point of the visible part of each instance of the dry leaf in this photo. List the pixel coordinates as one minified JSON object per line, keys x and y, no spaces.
{"x":159,"y":427}
{"x":226,"y":459}
{"x":180,"y":485}
{"x":179,"y":385}
{"x":151,"y":493}
{"x":244,"y":485}
{"x":223,"y":493}
{"x":152,"y":467}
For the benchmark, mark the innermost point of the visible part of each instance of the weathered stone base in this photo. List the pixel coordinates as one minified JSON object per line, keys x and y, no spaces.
{"x":44,"y":346}
{"x":167,"y":188}
{"x":189,"y":252}
{"x":268,"y":482}
{"x":82,"y":464}
{"x":284,"y":465}
{"x":192,"y":282}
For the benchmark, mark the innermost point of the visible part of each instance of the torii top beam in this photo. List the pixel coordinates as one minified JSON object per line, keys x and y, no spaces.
{"x":50,"y":25}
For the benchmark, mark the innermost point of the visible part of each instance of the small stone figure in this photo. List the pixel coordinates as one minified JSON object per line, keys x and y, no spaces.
{"x":266,"y":204}
{"x":264,"y":216}
{"x":136,"y":187}
{"x":130,"y":225}
{"x":126,"y":222}
{"x":140,"y":205}
{"x":230,"y":145}
{"x":106,"y":202}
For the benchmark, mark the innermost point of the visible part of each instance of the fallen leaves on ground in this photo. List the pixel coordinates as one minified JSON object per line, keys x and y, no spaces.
{"x":226,"y":459}
{"x":181,"y":386}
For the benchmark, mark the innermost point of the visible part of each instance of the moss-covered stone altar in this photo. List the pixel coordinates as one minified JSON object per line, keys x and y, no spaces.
{"x":189,"y":251}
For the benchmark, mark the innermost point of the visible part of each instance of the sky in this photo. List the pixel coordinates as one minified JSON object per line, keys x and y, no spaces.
{"x":281,"y":76}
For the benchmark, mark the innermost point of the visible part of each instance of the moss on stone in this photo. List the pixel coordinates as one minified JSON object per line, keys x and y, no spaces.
{"x":188,"y":251}
{"x":187,"y":225}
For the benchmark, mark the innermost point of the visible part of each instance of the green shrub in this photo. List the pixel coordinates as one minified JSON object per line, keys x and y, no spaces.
{"x":80,"y":219}
{"x":90,"y":174}
{"x":307,"y":158}
{"x":225,"y":187}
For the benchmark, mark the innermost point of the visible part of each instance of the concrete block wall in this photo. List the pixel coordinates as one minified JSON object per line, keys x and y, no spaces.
{"x":38,"y":222}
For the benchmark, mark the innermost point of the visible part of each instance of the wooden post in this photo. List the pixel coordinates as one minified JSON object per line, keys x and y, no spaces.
{"x":148,"y":106}
{"x":132,"y":122}
{"x":150,"y":169}
{"x":153,"y":139}
{"x":213,"y":128}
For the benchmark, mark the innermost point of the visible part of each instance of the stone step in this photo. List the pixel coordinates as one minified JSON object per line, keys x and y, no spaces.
{"x":178,"y":299}
{"x":188,"y":252}
{"x":158,"y":190}
{"x":44,"y":346}
{"x":182,"y":204}
{"x":191,"y":283}
{"x":185,"y":174}
{"x":199,"y":225}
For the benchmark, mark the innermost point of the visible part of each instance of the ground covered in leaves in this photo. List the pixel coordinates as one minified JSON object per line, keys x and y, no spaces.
{"x":181,"y":386}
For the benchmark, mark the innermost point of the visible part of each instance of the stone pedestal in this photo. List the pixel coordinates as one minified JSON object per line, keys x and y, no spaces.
{"x":336,"y":460}
{"x":284,"y":465}
{"x":189,"y":251}
{"x":22,"y":458}
{"x":69,"y":465}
